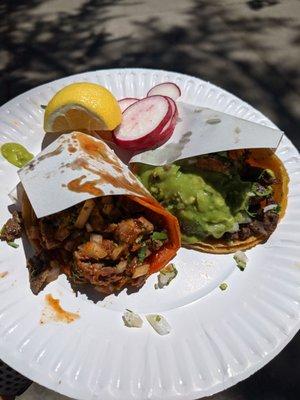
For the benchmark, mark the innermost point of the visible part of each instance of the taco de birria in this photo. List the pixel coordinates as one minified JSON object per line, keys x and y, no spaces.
{"x":225,"y":201}
{"x":109,"y":242}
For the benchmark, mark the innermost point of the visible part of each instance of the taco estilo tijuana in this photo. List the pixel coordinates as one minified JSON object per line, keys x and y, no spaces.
{"x":109,"y":242}
{"x":225,"y":201}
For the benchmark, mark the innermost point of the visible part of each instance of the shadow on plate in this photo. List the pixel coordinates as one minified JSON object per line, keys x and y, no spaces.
{"x":94,"y":295}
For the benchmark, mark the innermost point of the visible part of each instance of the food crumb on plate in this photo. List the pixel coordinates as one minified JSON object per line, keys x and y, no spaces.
{"x":13,"y":244}
{"x":165,"y":276}
{"x":223,"y":286}
{"x":241,"y":259}
{"x":3,"y":274}
{"x":159,"y":323}
{"x":131,"y":319}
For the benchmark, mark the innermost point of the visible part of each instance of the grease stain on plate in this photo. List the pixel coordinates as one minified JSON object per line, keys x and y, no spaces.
{"x":53,"y":312}
{"x":237,"y":132}
{"x":207,"y":263}
{"x":213,"y":121}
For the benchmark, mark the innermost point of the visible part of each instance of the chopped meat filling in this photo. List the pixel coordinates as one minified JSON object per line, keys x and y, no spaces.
{"x":12,"y":229}
{"x":106,"y":242}
{"x":213,"y":163}
{"x":114,"y":259}
{"x":261,"y":223}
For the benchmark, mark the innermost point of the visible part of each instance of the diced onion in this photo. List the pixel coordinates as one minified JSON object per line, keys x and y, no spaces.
{"x":132,"y":320}
{"x":241,"y":259}
{"x":140,"y":271}
{"x":84,"y":213}
{"x":159,"y":323}
{"x":121,"y":266}
{"x":117,"y":251}
{"x":270,"y":207}
{"x":96,"y":238}
{"x":166,"y":275}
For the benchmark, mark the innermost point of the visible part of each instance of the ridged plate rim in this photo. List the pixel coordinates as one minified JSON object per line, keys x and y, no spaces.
{"x":227,"y":364}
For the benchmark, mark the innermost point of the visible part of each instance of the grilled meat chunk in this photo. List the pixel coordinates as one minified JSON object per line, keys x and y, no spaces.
{"x":128,"y":231}
{"x":42,"y":271}
{"x":12,"y":229}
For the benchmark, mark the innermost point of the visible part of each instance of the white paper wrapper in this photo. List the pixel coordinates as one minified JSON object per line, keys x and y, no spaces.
{"x":203,"y":131}
{"x":68,"y":172}
{"x":74,"y":168}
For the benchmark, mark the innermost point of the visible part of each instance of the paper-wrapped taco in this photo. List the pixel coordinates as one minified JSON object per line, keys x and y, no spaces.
{"x":226,"y":201}
{"x":94,"y":221}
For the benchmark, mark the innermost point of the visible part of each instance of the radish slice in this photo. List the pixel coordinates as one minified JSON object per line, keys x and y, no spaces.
{"x":125,"y":103}
{"x":173,"y":105}
{"x":173,"y":118}
{"x":168,"y":130}
{"x":165,"y":89}
{"x":143,"y":123}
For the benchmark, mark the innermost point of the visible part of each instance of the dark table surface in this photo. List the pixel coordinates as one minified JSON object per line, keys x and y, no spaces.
{"x":250,"y":48}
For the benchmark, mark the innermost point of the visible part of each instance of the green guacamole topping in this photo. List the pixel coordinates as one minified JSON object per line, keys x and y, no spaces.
{"x":206,"y":203}
{"x":16,"y":154}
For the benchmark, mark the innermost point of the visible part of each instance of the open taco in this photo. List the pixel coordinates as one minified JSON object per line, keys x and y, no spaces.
{"x":109,"y":242}
{"x":226,"y":201}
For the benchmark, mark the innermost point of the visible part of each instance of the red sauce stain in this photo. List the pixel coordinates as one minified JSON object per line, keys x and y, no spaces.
{"x":93,"y":148}
{"x":71,"y":148}
{"x":54,"y":312}
{"x":120,"y":182}
{"x":76,"y":185}
{"x":78,"y":163}
{"x":99,"y":151}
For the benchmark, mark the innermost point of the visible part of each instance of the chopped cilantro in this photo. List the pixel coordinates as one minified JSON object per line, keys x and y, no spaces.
{"x":251,"y":214}
{"x":142,"y":253}
{"x":13,"y":244}
{"x":159,"y":236}
{"x":157,"y":318}
{"x":129,"y":258}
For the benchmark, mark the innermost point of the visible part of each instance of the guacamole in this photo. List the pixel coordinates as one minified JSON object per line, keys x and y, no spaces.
{"x":16,"y":154}
{"x":206,"y":203}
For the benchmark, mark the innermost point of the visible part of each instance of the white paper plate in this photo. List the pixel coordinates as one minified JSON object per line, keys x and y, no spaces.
{"x":217,"y":339}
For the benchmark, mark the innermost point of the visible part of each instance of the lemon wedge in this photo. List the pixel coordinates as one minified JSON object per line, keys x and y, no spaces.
{"x":82,"y":106}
